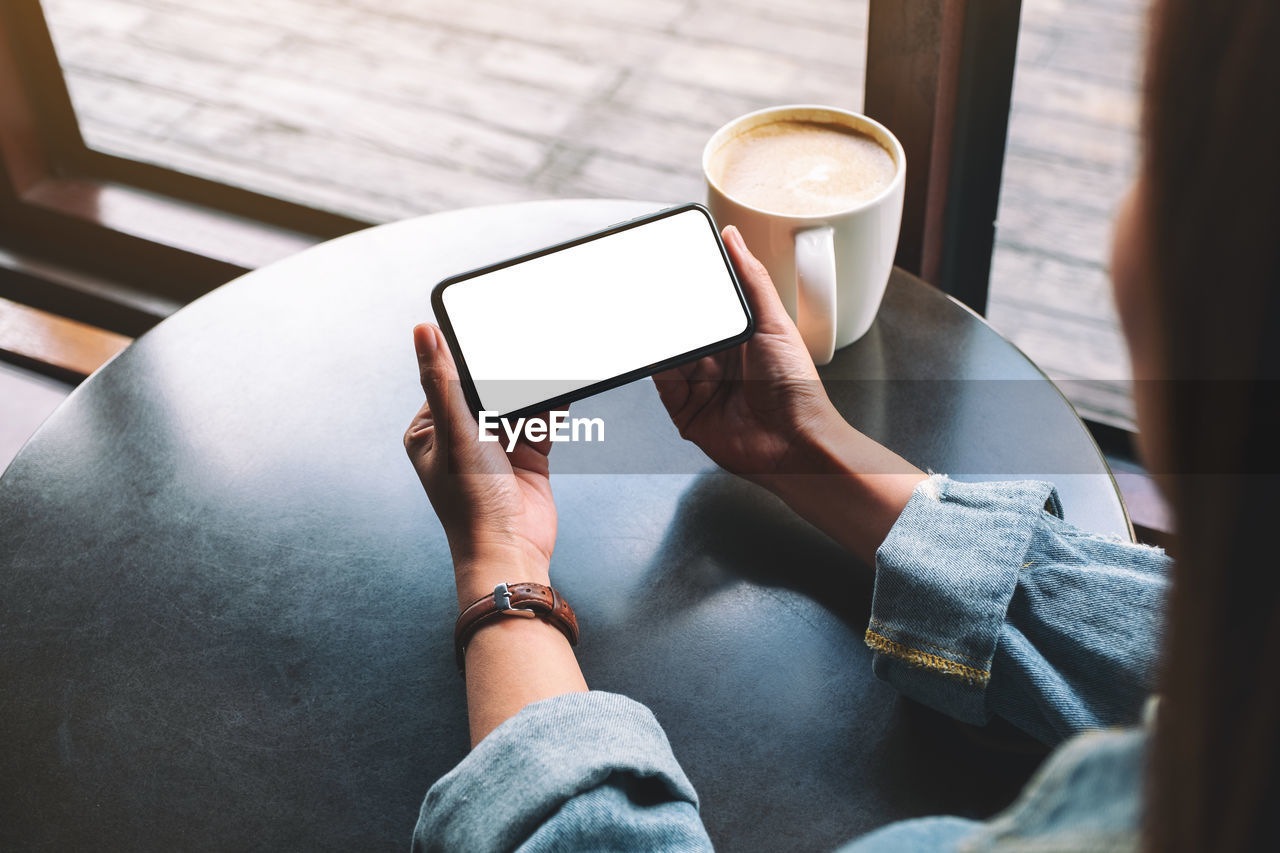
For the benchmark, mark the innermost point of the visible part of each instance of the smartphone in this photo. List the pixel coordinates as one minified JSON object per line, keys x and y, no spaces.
{"x":541,"y":330}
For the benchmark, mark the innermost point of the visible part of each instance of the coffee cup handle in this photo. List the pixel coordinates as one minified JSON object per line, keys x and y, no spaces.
{"x":816,"y":291}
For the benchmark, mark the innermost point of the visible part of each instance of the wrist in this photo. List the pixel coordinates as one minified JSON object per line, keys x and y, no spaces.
{"x":817,"y":450}
{"x":846,"y":484}
{"x":478,"y":570}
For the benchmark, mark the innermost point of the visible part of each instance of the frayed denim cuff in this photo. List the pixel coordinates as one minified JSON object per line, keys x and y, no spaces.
{"x":944,"y":578}
{"x":533,"y":763}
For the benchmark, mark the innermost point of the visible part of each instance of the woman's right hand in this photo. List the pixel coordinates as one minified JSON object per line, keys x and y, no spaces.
{"x":760,"y":411}
{"x":753,"y":409}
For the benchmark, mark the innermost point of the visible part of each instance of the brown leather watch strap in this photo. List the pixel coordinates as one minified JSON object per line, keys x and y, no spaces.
{"x":525,"y":599}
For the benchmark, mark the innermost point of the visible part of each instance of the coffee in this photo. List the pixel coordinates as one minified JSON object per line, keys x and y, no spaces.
{"x":802,"y":168}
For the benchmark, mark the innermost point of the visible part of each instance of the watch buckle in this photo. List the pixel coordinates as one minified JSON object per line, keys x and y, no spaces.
{"x":502,"y":603}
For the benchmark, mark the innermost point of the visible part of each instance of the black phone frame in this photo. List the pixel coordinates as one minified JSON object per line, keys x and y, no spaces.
{"x":468,"y":384}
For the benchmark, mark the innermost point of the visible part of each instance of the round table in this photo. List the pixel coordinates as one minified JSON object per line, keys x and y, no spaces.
{"x":227,"y":606}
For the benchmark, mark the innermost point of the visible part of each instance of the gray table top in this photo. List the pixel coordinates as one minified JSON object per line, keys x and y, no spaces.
{"x":227,"y":608}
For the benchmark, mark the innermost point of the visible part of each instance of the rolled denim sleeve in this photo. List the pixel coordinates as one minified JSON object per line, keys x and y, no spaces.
{"x":582,"y":771}
{"x":988,"y":603}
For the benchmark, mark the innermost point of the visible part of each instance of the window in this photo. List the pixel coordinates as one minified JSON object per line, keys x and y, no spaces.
{"x":381,"y":110}
{"x":191,"y":140}
{"x":1072,"y":153}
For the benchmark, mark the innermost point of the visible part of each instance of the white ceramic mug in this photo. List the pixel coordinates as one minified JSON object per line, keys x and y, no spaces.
{"x":830,"y":270}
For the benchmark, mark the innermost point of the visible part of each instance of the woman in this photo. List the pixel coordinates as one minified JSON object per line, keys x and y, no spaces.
{"x":1196,"y":272}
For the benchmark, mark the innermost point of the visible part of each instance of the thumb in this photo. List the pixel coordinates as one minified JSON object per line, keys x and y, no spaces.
{"x":757,"y":286}
{"x":439,"y":376}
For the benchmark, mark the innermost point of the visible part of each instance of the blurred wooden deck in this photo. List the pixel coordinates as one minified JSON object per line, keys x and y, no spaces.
{"x":391,"y":108}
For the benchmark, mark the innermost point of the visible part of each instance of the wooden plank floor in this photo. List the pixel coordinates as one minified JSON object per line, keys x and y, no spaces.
{"x":392,"y":108}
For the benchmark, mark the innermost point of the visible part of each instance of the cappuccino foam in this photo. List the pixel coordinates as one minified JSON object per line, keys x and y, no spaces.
{"x":802,"y":168}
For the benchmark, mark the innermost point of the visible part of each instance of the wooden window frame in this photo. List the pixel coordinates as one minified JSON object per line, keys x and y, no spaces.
{"x":940,"y":73}
{"x":108,"y":240}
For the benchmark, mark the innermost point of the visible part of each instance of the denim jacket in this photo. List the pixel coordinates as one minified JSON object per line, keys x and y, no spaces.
{"x":986,"y":604}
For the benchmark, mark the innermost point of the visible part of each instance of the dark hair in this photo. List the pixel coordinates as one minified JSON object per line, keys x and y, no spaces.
{"x":1211,"y":184}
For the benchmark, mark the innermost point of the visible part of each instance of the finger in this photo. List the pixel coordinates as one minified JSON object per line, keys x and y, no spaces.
{"x":543,"y":445}
{"x":440,"y":382}
{"x":419,"y":438}
{"x":673,"y":384}
{"x":758,"y":287}
{"x":525,"y":459}
{"x":676,"y":375}
{"x":673,"y":388}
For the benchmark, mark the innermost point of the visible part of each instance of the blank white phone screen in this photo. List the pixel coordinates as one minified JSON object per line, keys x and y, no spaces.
{"x":555,"y":324}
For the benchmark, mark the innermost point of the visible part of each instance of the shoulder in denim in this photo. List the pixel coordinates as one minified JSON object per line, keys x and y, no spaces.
{"x":1086,"y":797}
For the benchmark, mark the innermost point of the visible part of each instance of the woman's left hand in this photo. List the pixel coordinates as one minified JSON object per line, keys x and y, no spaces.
{"x":496,"y":506}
